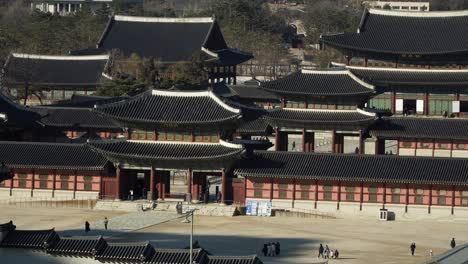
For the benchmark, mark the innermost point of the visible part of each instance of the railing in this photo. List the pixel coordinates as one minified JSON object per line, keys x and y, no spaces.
{"x":39,"y":202}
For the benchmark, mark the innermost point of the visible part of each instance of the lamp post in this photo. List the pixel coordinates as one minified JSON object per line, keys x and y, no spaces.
{"x":190,"y":212}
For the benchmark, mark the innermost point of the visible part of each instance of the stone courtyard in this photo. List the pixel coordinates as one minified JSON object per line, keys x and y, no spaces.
{"x":358,"y":240}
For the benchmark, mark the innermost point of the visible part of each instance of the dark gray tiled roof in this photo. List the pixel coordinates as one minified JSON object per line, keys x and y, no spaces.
{"x":126,"y":252}
{"x":169,"y":108}
{"x":60,"y":71}
{"x":233,"y":260}
{"x":99,"y":249}
{"x":166,"y":39}
{"x":332,"y":82}
{"x":253,"y":92}
{"x":82,"y":246}
{"x":50,"y":156}
{"x":420,"y":77}
{"x":457,"y":255}
{"x":86,"y":101}
{"x":36,"y":239}
{"x":67,"y":117}
{"x":167,"y":154}
{"x":406,"y":33}
{"x":177,"y":256}
{"x":369,"y":168}
{"x":255,"y":127}
{"x":17,"y":115}
{"x":325,"y":119}
{"x":422,"y":128}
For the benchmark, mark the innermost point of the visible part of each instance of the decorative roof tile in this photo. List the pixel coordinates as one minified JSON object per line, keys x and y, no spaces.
{"x":62,"y":71}
{"x":122,"y":252}
{"x":393,"y":32}
{"x":324,"y":83}
{"x":81,"y":246}
{"x":172,"y":109}
{"x":162,"y":154}
{"x":323,"y":119}
{"x":50,"y":156}
{"x":36,"y":239}
{"x":233,"y":260}
{"x":368,"y":168}
{"x":177,"y":256}
{"x":413,"y":77}
{"x":421,"y":128}
{"x":67,"y":117}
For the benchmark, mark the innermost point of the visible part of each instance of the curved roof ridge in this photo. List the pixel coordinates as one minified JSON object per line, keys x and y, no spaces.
{"x":207,"y":93}
{"x":407,"y":70}
{"x":60,"y":57}
{"x":384,"y":12}
{"x":317,"y":110}
{"x":164,"y":19}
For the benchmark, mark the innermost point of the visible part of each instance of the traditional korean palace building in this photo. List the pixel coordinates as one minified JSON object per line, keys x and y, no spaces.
{"x":171,"y":40}
{"x":108,"y":146}
{"x":54,"y":77}
{"x":46,"y":246}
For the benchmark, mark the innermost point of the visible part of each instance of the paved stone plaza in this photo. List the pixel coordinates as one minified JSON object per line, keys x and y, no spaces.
{"x":358,"y":240}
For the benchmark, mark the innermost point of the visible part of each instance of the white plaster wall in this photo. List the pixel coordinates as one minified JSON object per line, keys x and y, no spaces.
{"x":304,"y":204}
{"x":16,"y":192}
{"x":327,"y":207}
{"x":371,"y":210}
{"x":406,"y":152}
{"x":86,"y":195}
{"x":441,"y":211}
{"x":63,"y":195}
{"x":424,"y":152}
{"x":4,"y":192}
{"x":442,"y":153}
{"x":369,"y":147}
{"x":461,"y":212}
{"x":42,"y":193}
{"x":281,"y":203}
{"x":417,"y":211}
{"x":459,"y":153}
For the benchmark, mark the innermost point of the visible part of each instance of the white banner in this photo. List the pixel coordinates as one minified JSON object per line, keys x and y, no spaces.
{"x":399,"y":105}
{"x":419,"y":106}
{"x":456,"y":107}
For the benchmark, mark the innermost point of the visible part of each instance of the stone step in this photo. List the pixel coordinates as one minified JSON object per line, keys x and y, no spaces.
{"x":125,"y":206}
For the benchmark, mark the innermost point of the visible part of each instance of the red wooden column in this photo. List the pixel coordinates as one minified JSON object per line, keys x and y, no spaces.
{"x":407,"y":198}
{"x":453,"y":199}
{"x":294,"y":192}
{"x":339,"y":196}
{"x":361,"y":142}
{"x":277,"y":139}
{"x":33,"y":183}
{"x":223,"y":186}
{"x":384,"y":195}
{"x":54,"y":181}
{"x":430,"y":200}
{"x":361,"y":196}
{"x":196,"y":186}
{"x":272,"y":182}
{"x":12,"y":181}
{"x":117,"y":184}
{"x":152,"y":183}
{"x":189,"y":181}
{"x":316,"y":194}
{"x":75,"y":184}
{"x":393,"y":102}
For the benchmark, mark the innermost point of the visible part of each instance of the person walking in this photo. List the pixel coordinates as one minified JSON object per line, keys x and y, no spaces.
{"x":320,"y":251}
{"x":265,"y":250}
{"x":87,"y":228}
{"x":269,"y":250}
{"x":413,"y":248}
{"x":278,"y":249}
{"x":106,"y":222}
{"x":273,"y":249}
{"x":326,"y":251}
{"x":453,"y":243}
{"x":218,"y":197}
{"x":337,"y":253}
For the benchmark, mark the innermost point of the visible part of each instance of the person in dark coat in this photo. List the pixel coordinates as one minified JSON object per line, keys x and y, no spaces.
{"x":87,"y":229}
{"x":265,"y":250}
{"x":320,"y":251}
{"x":413,"y":248}
{"x":218,"y":197}
{"x":453,"y":243}
{"x":277,"y":248}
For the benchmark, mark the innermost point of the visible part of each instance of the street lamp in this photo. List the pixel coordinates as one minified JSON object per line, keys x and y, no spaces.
{"x":190,"y":213}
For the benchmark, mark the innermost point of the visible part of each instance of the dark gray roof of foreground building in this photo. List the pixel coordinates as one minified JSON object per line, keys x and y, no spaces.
{"x":457,"y":255}
{"x":167,"y":39}
{"x":368,"y":168}
{"x":412,"y":77}
{"x":324,"y":119}
{"x":98,"y":248}
{"x":395,"y":32}
{"x":420,"y":127}
{"x":326,"y":83}
{"x":56,"y":71}
{"x":67,"y":117}
{"x":172,"y":108}
{"x":50,"y":156}
{"x":161,"y":154}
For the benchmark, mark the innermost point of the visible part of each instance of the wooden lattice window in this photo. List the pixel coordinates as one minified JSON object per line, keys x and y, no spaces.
{"x":418,"y":199}
{"x":372,"y":197}
{"x":88,"y":186}
{"x":305,"y":195}
{"x":22,"y":176}
{"x":282,"y":194}
{"x":22,"y":183}
{"x":327,"y":196}
{"x":258,"y":193}
{"x":88,"y":178}
{"x":305,"y":187}
{"x":282,"y":186}
{"x":64,"y":185}
{"x":328,"y":188}
{"x":258,"y":184}
{"x":64,"y":177}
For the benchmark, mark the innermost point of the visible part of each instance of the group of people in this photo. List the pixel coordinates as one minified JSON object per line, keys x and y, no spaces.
{"x":327,"y":253}
{"x":271,"y":249}
{"x":453,"y":244}
{"x":88,"y":226}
